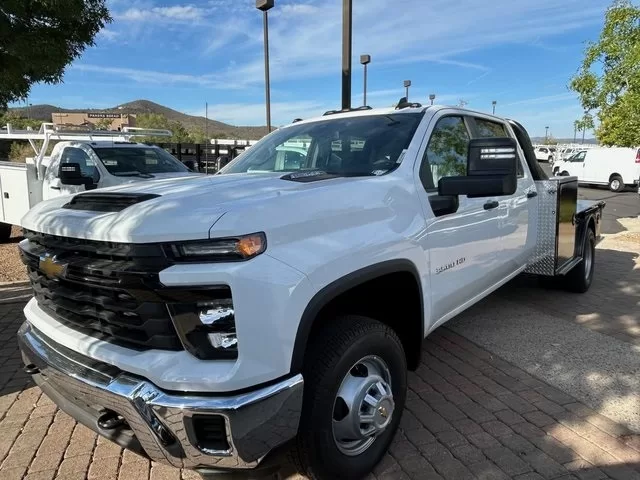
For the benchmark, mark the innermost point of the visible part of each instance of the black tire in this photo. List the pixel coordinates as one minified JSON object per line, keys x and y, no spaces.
{"x":564,"y":174}
{"x":555,"y":171}
{"x":580,"y":278}
{"x":550,"y":159}
{"x":616,"y":184}
{"x":5,"y":232}
{"x":333,"y":353}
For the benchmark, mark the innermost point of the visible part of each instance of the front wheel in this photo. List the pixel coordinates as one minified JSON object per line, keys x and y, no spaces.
{"x":355,"y":377}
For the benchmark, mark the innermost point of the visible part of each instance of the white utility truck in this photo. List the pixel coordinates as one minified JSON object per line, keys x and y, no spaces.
{"x":614,"y":167}
{"x":284,"y":311}
{"x":82,"y":160}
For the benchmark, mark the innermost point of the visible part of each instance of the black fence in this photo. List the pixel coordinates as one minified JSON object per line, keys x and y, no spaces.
{"x":202,"y":157}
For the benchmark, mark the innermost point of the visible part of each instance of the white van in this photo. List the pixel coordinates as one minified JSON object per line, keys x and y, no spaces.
{"x":615,"y":167}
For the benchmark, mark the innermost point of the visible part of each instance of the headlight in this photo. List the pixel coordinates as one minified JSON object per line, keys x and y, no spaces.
{"x":222,"y":249}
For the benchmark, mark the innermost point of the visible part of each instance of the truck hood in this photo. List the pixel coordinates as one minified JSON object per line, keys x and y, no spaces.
{"x":185,"y":208}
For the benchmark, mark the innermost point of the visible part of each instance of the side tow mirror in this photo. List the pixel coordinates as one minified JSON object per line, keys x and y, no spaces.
{"x":492,"y":170}
{"x":70,"y":174}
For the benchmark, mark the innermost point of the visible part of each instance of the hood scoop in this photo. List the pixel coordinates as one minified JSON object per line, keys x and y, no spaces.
{"x":107,"y":202}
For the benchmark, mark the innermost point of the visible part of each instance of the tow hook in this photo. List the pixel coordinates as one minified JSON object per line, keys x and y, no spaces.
{"x":110,"y":420}
{"x":31,"y":369}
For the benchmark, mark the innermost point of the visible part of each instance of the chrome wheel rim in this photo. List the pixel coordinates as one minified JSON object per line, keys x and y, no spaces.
{"x":363,"y":407}
{"x":615,"y":184}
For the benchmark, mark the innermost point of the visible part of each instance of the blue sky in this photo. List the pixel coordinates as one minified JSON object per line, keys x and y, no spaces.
{"x":520,"y":53}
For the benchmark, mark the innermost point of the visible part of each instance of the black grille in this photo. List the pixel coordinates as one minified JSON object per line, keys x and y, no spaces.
{"x":109,"y":291}
{"x":107,"y":202}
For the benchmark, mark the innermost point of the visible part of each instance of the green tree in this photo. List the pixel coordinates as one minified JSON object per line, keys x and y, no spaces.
{"x":104,"y":124}
{"x":608,"y":82}
{"x":39,"y":38}
{"x":17,"y":121}
{"x":157,"y":120}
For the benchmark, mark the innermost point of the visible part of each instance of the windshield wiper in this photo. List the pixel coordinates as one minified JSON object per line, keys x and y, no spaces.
{"x":133,"y":174}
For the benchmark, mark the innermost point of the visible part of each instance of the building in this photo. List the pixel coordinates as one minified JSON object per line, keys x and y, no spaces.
{"x":95,"y":120}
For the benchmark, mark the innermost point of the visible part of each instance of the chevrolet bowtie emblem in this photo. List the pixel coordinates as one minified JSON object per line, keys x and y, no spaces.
{"x":50,"y":266}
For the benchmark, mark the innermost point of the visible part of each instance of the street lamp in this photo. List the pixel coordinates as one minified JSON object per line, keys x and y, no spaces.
{"x":494,"y":106}
{"x":407,"y":84}
{"x":365,"y":60}
{"x":347,"y":37}
{"x":546,"y":133}
{"x":265,"y":6}
{"x":432,"y":97}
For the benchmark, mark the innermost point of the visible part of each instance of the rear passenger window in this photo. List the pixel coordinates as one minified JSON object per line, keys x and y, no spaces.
{"x":489,"y":129}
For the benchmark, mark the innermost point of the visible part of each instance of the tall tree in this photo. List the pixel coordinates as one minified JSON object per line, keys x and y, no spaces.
{"x":608,"y":81}
{"x":39,"y":38}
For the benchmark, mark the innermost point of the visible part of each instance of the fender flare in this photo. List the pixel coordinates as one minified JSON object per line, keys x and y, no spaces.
{"x":323,"y":297}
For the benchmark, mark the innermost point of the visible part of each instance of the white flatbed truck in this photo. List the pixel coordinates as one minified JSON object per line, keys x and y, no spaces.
{"x":285,"y":311}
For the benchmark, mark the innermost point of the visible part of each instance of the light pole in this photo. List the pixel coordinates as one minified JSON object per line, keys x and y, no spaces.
{"x":407,"y":84}
{"x":347,"y":22}
{"x":432,"y":97}
{"x":494,"y":106}
{"x":265,"y":6}
{"x":365,"y":60}
{"x":546,"y":134}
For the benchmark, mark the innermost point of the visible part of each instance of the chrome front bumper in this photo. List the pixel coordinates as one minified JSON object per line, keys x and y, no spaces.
{"x":161,"y":424}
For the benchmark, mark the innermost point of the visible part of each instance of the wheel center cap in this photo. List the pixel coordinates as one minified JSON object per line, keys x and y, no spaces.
{"x":384,"y":412}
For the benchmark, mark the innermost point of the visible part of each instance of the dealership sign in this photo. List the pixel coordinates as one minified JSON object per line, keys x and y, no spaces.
{"x":104,"y":115}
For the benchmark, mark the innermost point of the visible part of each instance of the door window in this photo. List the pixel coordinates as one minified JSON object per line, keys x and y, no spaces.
{"x":489,"y":129}
{"x":79,"y":156}
{"x":446,"y":154}
{"x":578,"y":157}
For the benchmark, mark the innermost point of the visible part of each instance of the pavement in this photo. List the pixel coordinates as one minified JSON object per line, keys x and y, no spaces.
{"x":529,"y":384}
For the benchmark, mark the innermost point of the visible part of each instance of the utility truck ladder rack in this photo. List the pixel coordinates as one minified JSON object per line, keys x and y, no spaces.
{"x":71,"y":133}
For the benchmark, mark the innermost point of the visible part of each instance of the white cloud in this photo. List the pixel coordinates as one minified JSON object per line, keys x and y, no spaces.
{"x":109,"y":35}
{"x":177,"y":13}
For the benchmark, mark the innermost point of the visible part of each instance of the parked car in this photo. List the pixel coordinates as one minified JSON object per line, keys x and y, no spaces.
{"x":544,"y":154}
{"x":204,"y":322}
{"x":615,"y":167}
{"x":556,"y":164}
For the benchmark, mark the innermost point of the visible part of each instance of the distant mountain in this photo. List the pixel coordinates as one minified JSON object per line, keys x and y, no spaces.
{"x":562,"y":141}
{"x":215,"y":128}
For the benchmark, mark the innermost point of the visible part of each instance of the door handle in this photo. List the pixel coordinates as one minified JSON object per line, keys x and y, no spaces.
{"x":491,"y":204}
{"x":532,"y":194}
{"x":55,"y":188}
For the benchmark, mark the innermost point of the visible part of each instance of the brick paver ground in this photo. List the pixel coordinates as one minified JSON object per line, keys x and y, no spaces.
{"x":469,"y":414}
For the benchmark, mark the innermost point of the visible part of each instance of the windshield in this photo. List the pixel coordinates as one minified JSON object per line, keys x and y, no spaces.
{"x":121,"y":161}
{"x":363,"y":145}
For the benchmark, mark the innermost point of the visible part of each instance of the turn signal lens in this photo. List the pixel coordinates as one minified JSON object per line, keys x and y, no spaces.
{"x":251,"y":245}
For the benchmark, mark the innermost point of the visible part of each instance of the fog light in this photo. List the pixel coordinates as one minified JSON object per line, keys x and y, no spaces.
{"x":223,"y":340}
{"x":207,"y":328}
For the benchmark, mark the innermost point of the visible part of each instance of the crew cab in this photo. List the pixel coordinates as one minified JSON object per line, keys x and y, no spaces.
{"x":79,"y":161}
{"x":285,"y":309}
